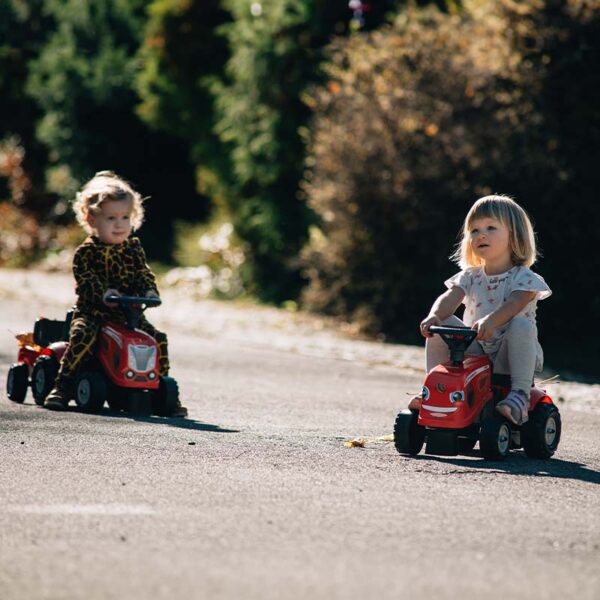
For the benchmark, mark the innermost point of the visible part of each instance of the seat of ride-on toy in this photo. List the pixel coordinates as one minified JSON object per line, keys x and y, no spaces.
{"x":47,"y":331}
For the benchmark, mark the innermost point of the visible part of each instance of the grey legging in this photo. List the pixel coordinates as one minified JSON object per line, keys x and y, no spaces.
{"x":517,"y":355}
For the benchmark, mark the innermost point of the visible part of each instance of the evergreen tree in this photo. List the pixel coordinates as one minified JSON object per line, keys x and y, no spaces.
{"x":275,"y":52}
{"x":84,"y":82}
{"x":181,"y":53}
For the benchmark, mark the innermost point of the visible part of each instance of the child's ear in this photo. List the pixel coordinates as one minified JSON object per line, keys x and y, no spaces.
{"x":90,"y":220}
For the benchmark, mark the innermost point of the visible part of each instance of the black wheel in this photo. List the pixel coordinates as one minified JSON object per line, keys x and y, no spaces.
{"x":409,"y":436}
{"x":91,"y":391}
{"x":17,"y":382}
{"x":494,"y":438}
{"x":43,"y":375}
{"x":166,"y":399}
{"x":541,"y":434}
{"x":465,"y":445}
{"x":116,"y":398}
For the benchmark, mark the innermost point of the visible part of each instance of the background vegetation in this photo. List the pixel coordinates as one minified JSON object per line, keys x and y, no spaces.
{"x":323,"y":151}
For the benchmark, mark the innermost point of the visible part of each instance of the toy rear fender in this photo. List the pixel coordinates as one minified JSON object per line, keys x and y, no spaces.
{"x":537,"y":396}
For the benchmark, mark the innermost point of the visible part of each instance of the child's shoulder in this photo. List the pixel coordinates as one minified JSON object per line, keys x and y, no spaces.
{"x":525,"y":279}
{"x":88,"y":245}
{"x":522,"y":272}
{"x":471,"y":273}
{"x":465,"y":279}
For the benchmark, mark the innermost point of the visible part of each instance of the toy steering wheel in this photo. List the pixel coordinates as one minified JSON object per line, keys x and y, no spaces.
{"x":458,"y":340}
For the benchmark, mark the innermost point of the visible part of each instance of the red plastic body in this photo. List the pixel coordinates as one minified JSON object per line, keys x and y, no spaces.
{"x":29,"y":354}
{"x":472,"y":380}
{"x":116,"y":344}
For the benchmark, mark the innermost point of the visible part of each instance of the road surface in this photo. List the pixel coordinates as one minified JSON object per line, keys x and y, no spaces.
{"x":255,"y":496}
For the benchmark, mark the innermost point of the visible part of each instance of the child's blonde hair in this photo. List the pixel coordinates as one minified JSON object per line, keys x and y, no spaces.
{"x":106,"y":185}
{"x":509,"y":213}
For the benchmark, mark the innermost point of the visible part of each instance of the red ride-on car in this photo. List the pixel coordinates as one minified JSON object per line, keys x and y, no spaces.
{"x":38,"y":358}
{"x":123,"y":370}
{"x":458,"y":409}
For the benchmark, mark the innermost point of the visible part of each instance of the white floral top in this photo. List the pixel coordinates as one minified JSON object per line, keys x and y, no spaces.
{"x":485,"y":293}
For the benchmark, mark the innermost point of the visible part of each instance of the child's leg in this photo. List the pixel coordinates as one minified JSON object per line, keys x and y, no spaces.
{"x":82,"y":337}
{"x":517,"y":356}
{"x":163,"y":345}
{"x":437,"y":352}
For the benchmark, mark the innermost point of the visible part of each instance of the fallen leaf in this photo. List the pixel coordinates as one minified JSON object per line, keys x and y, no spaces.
{"x":358,"y":443}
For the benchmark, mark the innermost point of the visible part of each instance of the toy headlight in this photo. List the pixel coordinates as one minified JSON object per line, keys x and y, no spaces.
{"x":457,"y":396}
{"x":425,"y":393}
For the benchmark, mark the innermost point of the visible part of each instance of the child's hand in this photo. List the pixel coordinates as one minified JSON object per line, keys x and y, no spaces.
{"x":427,"y":322}
{"x":152,"y":294}
{"x":485,"y":329}
{"x":110,"y":292}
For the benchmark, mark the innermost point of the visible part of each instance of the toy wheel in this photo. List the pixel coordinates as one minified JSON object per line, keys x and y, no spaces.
{"x":409,"y":436}
{"x":541,"y":434}
{"x":494,"y":439}
{"x":91,"y":392}
{"x":116,"y":398}
{"x":465,"y":445}
{"x":166,"y":400}
{"x":43,"y":375}
{"x":17,"y":382}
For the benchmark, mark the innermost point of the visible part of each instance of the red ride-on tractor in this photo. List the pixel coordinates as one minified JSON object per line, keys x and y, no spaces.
{"x":123,"y":370}
{"x":38,"y":359}
{"x":458,"y":409}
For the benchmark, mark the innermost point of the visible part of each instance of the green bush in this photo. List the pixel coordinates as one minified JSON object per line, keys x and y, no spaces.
{"x":83,"y":80}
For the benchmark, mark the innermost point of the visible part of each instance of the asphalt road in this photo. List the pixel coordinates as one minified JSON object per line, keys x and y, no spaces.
{"x":255,"y":496}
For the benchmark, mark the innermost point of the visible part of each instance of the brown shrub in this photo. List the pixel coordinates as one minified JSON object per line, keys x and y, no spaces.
{"x":420,"y":119}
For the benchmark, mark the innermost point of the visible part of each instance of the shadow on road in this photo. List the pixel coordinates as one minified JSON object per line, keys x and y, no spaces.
{"x":181,"y":423}
{"x":519,"y":464}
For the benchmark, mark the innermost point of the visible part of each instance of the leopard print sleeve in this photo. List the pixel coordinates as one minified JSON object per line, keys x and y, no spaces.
{"x":145,"y":279}
{"x":89,"y":285}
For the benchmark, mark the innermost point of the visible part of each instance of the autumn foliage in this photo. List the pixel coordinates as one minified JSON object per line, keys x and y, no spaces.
{"x":420,"y":119}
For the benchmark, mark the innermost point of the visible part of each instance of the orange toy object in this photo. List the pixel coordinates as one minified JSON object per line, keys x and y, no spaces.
{"x":38,"y":358}
{"x":458,"y":410}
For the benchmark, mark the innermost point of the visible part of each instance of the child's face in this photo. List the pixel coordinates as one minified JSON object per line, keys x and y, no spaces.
{"x":490,"y":240}
{"x":112,"y":222}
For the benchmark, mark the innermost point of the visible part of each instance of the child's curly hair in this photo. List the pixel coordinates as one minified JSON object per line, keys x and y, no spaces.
{"x":106,"y":185}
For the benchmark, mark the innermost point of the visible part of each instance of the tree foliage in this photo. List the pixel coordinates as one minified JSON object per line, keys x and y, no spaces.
{"x":23,"y":27}
{"x":181,"y":54}
{"x":83,"y":80}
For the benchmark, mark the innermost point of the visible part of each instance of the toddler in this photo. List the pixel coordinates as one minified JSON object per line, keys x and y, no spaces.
{"x":500,"y":294}
{"x":109,"y":262}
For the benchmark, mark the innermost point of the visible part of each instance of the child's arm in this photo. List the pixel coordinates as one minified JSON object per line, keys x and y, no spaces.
{"x":442,"y":308}
{"x":514,"y":304}
{"x":145,"y":279}
{"x":89,"y":287}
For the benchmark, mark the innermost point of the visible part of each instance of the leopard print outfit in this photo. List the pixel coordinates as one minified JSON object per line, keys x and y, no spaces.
{"x":98,"y":267}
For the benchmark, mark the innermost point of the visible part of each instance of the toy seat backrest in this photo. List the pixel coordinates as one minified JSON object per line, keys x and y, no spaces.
{"x":47,"y":331}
